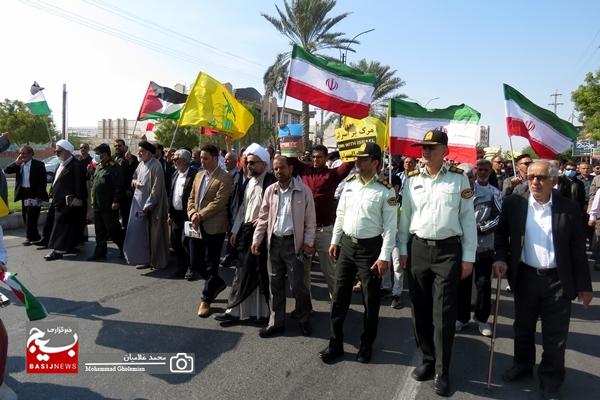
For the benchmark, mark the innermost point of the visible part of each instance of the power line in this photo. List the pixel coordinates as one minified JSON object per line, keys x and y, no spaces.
{"x":173,"y":33}
{"x":128,"y":37}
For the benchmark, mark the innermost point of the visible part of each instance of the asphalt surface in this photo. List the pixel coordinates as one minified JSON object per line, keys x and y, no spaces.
{"x":119,"y":309}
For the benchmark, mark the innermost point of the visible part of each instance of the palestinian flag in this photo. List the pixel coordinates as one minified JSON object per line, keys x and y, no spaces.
{"x":37,"y":103}
{"x":408,"y":122}
{"x":548,"y":135}
{"x":328,"y":85}
{"x":161,"y":103}
{"x":34,"y":308}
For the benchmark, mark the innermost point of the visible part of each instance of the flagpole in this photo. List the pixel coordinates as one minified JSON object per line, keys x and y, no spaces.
{"x":512,"y":152}
{"x":133,"y":133}
{"x":175,"y":133}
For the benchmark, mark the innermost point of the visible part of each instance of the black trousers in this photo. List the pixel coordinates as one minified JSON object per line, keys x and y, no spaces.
{"x":482,"y":273}
{"x":356,"y":258}
{"x":106,"y":224}
{"x":47,"y":229}
{"x":541,"y":296}
{"x":31,"y":215}
{"x":205,"y":255}
{"x":179,"y":242}
{"x":433,"y":278}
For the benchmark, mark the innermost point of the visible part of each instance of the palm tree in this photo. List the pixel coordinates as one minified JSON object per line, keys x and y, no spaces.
{"x":307,"y":24}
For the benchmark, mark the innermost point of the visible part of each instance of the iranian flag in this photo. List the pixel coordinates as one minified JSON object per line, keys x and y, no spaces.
{"x":548,"y":135}
{"x":34,"y":308}
{"x":161,"y":103}
{"x":37,"y":103}
{"x":328,"y":85}
{"x":408,"y":123}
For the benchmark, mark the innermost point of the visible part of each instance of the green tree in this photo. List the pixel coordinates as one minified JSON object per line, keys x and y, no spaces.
{"x":24,"y":127}
{"x":186,"y":137}
{"x":529,"y":150}
{"x":306,"y":23}
{"x":587,"y":101}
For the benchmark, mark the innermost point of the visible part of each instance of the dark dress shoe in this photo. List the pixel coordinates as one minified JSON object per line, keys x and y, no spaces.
{"x":364,"y":354}
{"x":41,"y":242}
{"x":516,"y":373}
{"x":329,"y":354}
{"x":441,"y":385}
{"x":270,"y":331}
{"x":227,"y":318}
{"x":27,"y":243}
{"x":53,"y":256}
{"x":305,"y":328}
{"x":143,"y":267}
{"x":423,"y":372}
{"x":190,"y":274}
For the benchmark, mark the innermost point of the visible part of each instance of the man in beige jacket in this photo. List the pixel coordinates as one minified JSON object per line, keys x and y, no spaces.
{"x":207,"y":209}
{"x":287,"y":220}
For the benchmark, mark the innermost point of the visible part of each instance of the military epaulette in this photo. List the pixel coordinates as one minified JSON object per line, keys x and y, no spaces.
{"x":349,"y":178}
{"x":414,"y":172}
{"x":384,"y":182}
{"x":456,"y":170}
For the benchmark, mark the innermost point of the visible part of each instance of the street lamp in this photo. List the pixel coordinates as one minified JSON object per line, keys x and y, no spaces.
{"x":345,"y":54}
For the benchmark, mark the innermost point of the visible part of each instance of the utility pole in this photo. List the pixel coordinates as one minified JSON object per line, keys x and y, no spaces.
{"x":64,"y":111}
{"x":555,"y":104}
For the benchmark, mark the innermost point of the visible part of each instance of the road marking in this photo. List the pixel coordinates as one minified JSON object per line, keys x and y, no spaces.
{"x":409,"y":387}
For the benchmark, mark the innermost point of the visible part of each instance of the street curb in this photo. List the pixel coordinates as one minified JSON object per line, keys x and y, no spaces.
{"x":15,"y":221}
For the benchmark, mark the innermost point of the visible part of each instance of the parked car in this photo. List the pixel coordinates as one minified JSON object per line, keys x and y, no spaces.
{"x":52,"y":164}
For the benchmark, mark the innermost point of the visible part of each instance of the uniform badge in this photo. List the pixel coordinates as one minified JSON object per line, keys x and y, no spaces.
{"x":467,"y":193}
{"x":392,"y":201}
{"x":428,"y":136}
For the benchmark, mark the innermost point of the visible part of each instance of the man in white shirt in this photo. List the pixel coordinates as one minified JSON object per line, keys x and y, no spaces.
{"x":179,"y":192}
{"x":540,"y":243}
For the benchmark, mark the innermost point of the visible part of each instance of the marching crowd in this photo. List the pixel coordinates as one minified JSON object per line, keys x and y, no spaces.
{"x":444,"y":228}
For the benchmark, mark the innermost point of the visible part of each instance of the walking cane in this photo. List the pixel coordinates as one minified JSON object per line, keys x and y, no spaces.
{"x":496,"y":307}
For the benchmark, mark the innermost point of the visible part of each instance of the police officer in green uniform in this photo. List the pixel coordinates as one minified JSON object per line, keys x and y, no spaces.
{"x":107,"y":188}
{"x":437,"y":241}
{"x":363,"y":237}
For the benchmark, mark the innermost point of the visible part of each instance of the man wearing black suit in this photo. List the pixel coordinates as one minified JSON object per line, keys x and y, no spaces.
{"x":30,"y":188}
{"x":181,"y":186}
{"x":540,"y":243}
{"x":68,"y":194}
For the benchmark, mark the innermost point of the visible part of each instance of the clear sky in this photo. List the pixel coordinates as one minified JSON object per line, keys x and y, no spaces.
{"x":459,"y":51}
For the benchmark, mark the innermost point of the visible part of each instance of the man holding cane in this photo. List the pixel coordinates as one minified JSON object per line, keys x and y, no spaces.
{"x":540,"y":244}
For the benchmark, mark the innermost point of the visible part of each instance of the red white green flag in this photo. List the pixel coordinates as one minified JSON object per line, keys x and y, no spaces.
{"x":329,"y":85}
{"x":408,"y":122}
{"x":548,"y":135}
{"x":34,"y":308}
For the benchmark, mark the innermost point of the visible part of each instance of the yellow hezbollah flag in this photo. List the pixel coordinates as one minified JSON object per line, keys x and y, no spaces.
{"x":356,"y":132}
{"x":3,"y":208}
{"x":210,"y":104}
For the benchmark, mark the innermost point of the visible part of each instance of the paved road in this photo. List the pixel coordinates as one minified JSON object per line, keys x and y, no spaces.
{"x":119,"y":309}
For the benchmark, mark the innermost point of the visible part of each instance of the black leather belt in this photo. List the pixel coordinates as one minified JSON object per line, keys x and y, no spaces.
{"x":286,"y":237}
{"x":362,"y":241}
{"x":440,"y":242}
{"x":540,"y":271}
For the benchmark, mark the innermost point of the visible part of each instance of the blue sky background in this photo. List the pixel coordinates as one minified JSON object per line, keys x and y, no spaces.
{"x":459,"y":51}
